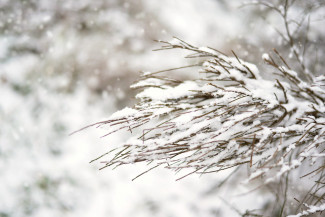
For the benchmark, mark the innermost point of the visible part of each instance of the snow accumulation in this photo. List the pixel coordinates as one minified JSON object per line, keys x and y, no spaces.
{"x":266,"y":57}
{"x":126,"y":112}
{"x":177,"y":92}
{"x":311,"y":210}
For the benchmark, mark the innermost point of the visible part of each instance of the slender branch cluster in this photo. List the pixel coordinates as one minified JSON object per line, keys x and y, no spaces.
{"x":230,"y":116}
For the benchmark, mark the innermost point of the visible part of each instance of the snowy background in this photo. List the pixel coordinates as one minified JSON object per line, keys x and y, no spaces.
{"x":65,"y":64}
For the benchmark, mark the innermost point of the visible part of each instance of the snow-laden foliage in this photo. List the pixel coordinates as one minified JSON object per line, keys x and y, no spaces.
{"x":311,"y":210}
{"x":227,"y":117}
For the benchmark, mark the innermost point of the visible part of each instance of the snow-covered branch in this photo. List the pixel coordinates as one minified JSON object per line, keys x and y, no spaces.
{"x":230,"y":116}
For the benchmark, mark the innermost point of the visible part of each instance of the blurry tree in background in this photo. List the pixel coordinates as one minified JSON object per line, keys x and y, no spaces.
{"x":56,"y":58}
{"x":66,"y":63}
{"x":85,"y":42}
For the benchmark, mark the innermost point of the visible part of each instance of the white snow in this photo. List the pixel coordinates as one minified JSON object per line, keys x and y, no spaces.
{"x":126,"y":112}
{"x":179,"y":91}
{"x":266,"y":57}
{"x":310,"y":210}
